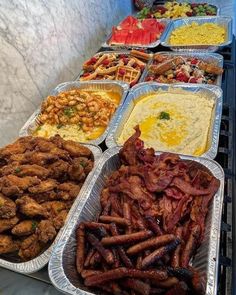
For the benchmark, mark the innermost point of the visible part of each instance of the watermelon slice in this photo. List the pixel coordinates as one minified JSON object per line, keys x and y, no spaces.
{"x":134,"y":37}
{"x":149,"y":23}
{"x":119,"y":36}
{"x":129,"y":22}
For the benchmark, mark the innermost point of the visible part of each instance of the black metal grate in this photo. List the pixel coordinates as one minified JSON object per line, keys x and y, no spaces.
{"x":226,"y":158}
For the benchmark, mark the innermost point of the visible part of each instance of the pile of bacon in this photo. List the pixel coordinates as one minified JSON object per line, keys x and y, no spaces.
{"x":132,"y":31}
{"x":151,"y":224}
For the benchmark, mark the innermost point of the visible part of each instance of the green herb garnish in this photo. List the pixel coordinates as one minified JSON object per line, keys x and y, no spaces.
{"x":69,"y":111}
{"x":34,"y":225}
{"x":38,"y":128}
{"x":164,"y":116}
{"x":17,"y":170}
{"x":143,"y":13}
{"x":59,"y":126}
{"x":83,"y":164}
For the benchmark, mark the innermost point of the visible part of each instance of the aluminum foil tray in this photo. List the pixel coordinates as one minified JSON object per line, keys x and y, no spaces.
{"x":62,"y":271}
{"x":40,"y":261}
{"x":120,"y":87}
{"x":127,"y":46}
{"x":147,"y":87}
{"x":117,"y":52}
{"x":226,"y":22}
{"x":215,"y":58}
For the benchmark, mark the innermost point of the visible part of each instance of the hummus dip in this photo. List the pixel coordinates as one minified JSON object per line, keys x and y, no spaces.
{"x":172,"y":121}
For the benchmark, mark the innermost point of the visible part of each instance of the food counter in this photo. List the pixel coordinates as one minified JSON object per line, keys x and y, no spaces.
{"x":223,"y":157}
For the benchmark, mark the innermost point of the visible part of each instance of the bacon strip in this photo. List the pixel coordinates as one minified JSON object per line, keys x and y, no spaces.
{"x":187,"y":188}
{"x":80,"y":251}
{"x":160,"y":252}
{"x":123,"y":272}
{"x":105,"y":253}
{"x":157,"y":241}
{"x":129,"y":238}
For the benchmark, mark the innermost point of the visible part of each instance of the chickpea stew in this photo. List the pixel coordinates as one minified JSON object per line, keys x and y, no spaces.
{"x":77,"y":114}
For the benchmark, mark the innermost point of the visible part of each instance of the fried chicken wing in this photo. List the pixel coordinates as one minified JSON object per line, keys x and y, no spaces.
{"x":32,"y":170}
{"x":34,"y":157}
{"x":8,"y":169}
{"x":53,"y":208}
{"x":44,"y":197}
{"x":77,"y":170}
{"x":25,"y":170}
{"x":30,"y":207}
{"x":58,"y":169}
{"x":24,"y":228}
{"x":18,"y":147}
{"x":69,"y":190}
{"x":44,"y":186}
{"x":6,"y":224}
{"x":30,"y":247}
{"x":7,"y":245}
{"x":7,"y":207}
{"x":59,"y":220}
{"x":46,"y":231}
{"x":12,"y":184}
{"x":75,"y":149}
{"x":46,"y":146}
{"x":57,"y":140}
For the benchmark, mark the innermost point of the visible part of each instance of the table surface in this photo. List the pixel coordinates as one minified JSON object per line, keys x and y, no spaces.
{"x":16,"y":284}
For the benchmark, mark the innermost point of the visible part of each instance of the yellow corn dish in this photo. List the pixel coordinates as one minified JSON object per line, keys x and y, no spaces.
{"x":198,"y":34}
{"x":172,"y":121}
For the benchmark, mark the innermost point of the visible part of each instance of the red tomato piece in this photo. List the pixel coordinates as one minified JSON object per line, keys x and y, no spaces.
{"x":192,"y":80}
{"x":181,"y":77}
{"x":194,"y":61}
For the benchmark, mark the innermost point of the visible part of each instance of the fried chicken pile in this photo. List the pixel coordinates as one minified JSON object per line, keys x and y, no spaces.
{"x":39,"y":181}
{"x":151,"y":224}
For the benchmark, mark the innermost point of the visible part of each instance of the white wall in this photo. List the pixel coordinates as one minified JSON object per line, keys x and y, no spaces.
{"x":43,"y":43}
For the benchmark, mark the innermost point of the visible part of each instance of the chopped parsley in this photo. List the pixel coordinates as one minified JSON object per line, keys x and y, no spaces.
{"x":17,"y":170}
{"x":164,"y":116}
{"x":34,"y":225}
{"x":83,"y":164}
{"x":143,"y":13}
{"x":59,"y":126}
{"x":69,"y":111}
